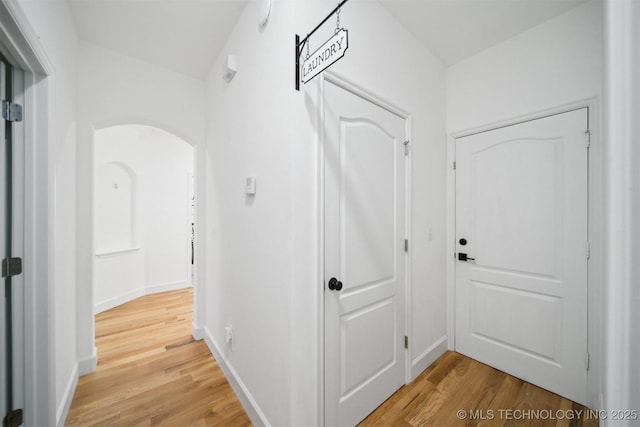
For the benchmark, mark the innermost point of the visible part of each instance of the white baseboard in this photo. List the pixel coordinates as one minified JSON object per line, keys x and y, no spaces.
{"x":164,"y":287}
{"x":424,"y":360}
{"x":88,"y":364}
{"x":63,"y":410}
{"x":120,"y":299}
{"x":249,"y":404}
{"x":197,"y":332}
{"x":137,"y":293}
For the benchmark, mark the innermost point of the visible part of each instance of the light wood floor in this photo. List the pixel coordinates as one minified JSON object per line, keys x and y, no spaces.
{"x":459,"y":391}
{"x":151,"y":372}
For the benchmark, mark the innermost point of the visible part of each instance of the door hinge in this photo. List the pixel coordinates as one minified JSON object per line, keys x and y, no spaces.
{"x":11,"y":112}
{"x":406,"y":147}
{"x":587,"y":138}
{"x":11,"y":267}
{"x":587,"y":250}
{"x":406,"y":245}
{"x":587,"y":360}
{"x":454,"y":165}
{"x":406,"y":341}
{"x":13,"y":419}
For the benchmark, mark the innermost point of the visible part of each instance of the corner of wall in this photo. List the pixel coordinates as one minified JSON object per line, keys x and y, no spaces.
{"x":197,"y":332}
{"x":426,"y":358}
{"x":89,"y":364}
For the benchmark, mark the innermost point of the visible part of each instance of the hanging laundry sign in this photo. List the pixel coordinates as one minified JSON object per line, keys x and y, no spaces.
{"x":331,"y":51}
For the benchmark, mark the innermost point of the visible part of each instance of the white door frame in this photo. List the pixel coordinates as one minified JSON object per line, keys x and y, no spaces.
{"x":350,"y":86}
{"x":595,"y":313}
{"x":26,"y":53}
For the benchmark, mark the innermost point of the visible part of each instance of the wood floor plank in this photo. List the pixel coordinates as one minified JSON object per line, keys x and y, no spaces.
{"x":483,"y":395}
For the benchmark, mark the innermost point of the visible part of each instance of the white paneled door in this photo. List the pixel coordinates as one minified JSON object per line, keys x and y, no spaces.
{"x":364,"y":179}
{"x":522,"y":250}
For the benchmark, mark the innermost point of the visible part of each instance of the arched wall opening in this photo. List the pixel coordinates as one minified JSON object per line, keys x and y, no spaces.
{"x":144,"y":213}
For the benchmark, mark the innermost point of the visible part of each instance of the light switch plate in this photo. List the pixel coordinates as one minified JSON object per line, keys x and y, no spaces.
{"x":250,"y":186}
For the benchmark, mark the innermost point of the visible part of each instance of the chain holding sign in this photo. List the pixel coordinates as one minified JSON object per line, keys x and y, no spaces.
{"x":331,"y":51}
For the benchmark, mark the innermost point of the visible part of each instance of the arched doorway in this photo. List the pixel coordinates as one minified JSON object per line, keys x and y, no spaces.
{"x":143,"y":213}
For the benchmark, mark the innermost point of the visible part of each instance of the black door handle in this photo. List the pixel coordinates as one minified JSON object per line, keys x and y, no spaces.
{"x":464,"y":257}
{"x":335,"y":284}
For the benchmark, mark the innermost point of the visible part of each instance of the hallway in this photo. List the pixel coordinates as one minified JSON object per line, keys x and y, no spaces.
{"x":152,"y":372}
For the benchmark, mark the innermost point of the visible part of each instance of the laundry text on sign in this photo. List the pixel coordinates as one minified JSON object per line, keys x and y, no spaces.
{"x":331,"y":51}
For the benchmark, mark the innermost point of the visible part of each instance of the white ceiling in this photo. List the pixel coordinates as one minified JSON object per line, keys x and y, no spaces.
{"x":187,"y":35}
{"x":457,"y":29}
{"x":182,"y":35}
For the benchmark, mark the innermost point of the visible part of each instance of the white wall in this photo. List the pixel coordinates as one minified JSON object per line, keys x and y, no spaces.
{"x":553,"y":64}
{"x":550,"y":66}
{"x":115,"y":89}
{"x":115,"y":196}
{"x":143,"y":227}
{"x":54,"y":25}
{"x":263,"y":276}
{"x":249,"y":250}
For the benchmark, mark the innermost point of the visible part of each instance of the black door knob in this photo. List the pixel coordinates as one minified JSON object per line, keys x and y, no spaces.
{"x":463,"y":241}
{"x":335,"y":284}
